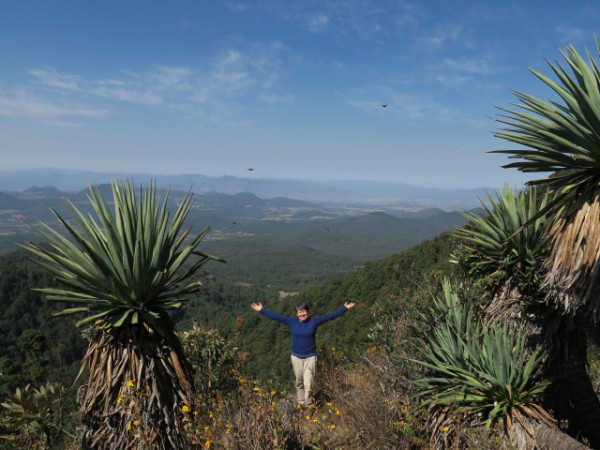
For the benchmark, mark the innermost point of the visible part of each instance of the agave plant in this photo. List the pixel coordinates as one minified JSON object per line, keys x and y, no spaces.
{"x":499,"y":246}
{"x":479,"y":371}
{"x":561,"y":137}
{"x":123,"y":269}
{"x":503,"y":248}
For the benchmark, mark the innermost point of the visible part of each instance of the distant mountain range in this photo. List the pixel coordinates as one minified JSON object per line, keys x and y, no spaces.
{"x":397,"y":196}
{"x":359,"y":232}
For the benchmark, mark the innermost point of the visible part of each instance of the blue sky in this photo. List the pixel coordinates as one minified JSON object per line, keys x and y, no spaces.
{"x":292,"y":89}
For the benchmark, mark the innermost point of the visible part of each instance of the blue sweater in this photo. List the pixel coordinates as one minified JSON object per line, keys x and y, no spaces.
{"x":303,"y":334}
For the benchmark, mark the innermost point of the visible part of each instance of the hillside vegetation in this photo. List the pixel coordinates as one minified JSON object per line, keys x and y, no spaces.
{"x":38,"y":348}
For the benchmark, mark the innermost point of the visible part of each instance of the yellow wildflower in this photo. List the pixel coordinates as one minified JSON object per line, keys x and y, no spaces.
{"x":208,"y":443}
{"x":186,"y":408}
{"x":446,"y":428}
{"x":331,"y":426}
{"x":121,"y":399}
{"x":256,"y":389}
{"x":131,"y":383}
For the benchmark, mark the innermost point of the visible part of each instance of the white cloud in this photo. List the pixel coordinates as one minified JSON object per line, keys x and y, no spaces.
{"x":117,"y":92}
{"x":176,"y":78}
{"x":224,"y":85}
{"x":275,"y":99}
{"x":317,"y":22}
{"x":25,"y":104}
{"x":236,"y":6}
{"x":406,"y":106}
{"x":229,"y":83}
{"x":571,"y":35}
{"x":475,"y":66}
{"x":453,"y":80}
{"x":51,"y":78}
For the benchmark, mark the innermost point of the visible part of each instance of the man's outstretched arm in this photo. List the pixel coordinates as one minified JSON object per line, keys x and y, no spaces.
{"x":335,"y":314}
{"x":258,"y":307}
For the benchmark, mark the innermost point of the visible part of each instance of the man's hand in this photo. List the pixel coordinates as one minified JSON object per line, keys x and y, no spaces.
{"x":256,"y":306}
{"x":349,"y":305}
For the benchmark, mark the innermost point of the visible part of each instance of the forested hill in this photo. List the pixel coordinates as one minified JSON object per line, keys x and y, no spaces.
{"x":35,"y":346}
{"x":392,"y":283}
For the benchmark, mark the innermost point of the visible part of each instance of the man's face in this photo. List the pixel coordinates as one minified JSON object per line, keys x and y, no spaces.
{"x":302,"y":314}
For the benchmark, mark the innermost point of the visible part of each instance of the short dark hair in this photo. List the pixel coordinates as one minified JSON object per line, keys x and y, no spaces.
{"x":303,"y":306}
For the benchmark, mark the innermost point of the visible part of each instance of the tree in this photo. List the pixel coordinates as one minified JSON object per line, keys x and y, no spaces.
{"x":124,"y":269}
{"x":562,"y":137}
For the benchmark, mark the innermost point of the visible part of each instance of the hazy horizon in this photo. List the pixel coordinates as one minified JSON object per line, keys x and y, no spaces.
{"x":392,"y":91}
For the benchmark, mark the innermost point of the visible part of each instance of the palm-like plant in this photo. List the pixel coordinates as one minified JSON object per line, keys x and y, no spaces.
{"x":124,"y":270}
{"x":562,"y":137}
{"x":500,"y":251}
{"x":479,"y":370}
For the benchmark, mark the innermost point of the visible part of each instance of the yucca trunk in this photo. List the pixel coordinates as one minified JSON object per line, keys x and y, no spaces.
{"x":139,"y":388}
{"x":539,"y":435}
{"x":580,"y":393}
{"x":573,"y":285}
{"x":572,"y":278}
{"x":508,"y":306}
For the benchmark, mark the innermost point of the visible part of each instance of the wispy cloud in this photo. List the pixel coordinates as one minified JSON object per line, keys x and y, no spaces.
{"x":475,"y":66}
{"x":572,"y":35}
{"x":237,"y":6}
{"x":21,"y":103}
{"x":235,"y":75}
{"x":350,"y":17}
{"x":273,"y":99}
{"x":118,"y":90}
{"x":317,"y":22}
{"x":441,"y":35}
{"x":405,"y":106}
{"x":51,"y":78}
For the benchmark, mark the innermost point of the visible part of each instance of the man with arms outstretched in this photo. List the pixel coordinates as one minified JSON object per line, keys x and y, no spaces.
{"x":303,"y":329}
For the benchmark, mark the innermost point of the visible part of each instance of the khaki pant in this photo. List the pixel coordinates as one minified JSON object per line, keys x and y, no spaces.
{"x":304,"y":371}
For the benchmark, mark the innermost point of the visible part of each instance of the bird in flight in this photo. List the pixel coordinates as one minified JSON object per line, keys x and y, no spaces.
{"x":384,"y":106}
{"x":250,"y":169}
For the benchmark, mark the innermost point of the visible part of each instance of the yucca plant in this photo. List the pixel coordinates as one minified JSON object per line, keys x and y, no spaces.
{"x":561,"y":137}
{"x":122,"y":269}
{"x":503,"y":249}
{"x":499,"y":246}
{"x":479,"y":371}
